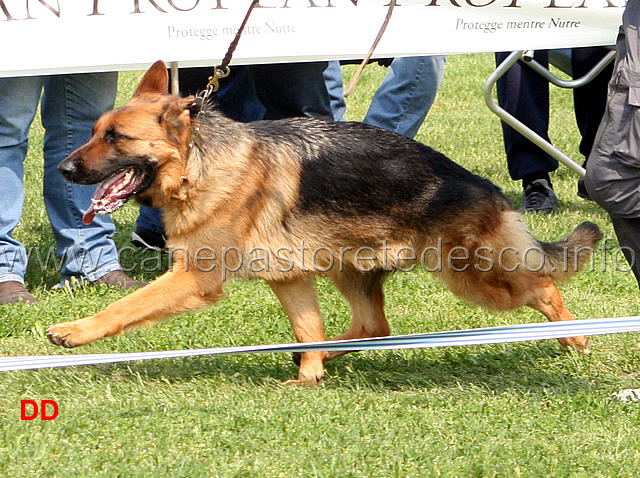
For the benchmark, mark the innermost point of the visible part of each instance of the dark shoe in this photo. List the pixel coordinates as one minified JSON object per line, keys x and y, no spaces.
{"x":146,"y":239}
{"x":582,"y":190}
{"x":119,"y":279}
{"x":539,"y":197}
{"x":14,"y":291}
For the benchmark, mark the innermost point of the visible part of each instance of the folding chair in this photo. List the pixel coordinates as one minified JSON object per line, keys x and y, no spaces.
{"x":561,"y":62}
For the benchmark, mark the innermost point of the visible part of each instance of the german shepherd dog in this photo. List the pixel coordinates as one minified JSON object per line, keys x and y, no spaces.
{"x":287,"y":200}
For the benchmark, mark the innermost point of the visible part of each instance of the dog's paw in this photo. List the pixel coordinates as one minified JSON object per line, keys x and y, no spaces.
{"x":577,"y":344}
{"x":67,"y":334}
{"x":305,"y":382}
{"x":308,"y":377}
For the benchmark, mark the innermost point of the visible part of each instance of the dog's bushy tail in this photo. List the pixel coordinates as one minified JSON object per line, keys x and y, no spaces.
{"x":566,"y":257}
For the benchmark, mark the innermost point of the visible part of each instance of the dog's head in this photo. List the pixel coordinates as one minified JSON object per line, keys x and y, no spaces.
{"x":133,"y":147}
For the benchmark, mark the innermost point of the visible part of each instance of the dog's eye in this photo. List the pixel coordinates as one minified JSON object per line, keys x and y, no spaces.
{"x":112,"y":136}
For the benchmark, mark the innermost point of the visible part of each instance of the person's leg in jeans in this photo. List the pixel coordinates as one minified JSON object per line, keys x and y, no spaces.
{"x":19,"y":99}
{"x":335,"y":87}
{"x":71,"y":104}
{"x":404,"y":97}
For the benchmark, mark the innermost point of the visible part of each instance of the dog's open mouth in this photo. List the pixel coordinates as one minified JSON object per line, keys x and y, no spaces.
{"x":113,"y":193}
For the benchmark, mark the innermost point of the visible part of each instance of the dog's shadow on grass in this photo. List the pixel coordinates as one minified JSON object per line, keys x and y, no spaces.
{"x":532,"y":367}
{"x":524,"y":367}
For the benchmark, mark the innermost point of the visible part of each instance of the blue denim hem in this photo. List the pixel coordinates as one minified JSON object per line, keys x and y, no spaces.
{"x":11,"y":277}
{"x":68,"y":281}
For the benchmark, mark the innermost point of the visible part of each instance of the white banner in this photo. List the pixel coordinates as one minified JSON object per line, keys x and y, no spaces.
{"x":55,"y":36}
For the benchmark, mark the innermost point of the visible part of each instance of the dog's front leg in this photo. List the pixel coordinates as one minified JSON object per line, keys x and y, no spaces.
{"x":299,"y":300}
{"x":171,"y":294}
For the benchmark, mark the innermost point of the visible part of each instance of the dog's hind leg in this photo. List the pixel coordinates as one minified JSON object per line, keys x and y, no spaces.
{"x":548,"y":300}
{"x":366,"y":298}
{"x":300,"y":302}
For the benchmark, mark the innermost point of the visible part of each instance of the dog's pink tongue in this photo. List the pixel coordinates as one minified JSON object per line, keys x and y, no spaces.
{"x":104,"y":189}
{"x":88,"y":216}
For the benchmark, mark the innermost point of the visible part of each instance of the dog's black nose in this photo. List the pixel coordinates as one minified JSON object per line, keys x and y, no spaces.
{"x":68,"y":167}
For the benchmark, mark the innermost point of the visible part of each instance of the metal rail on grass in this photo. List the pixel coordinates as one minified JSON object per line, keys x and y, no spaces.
{"x":489,"y":335}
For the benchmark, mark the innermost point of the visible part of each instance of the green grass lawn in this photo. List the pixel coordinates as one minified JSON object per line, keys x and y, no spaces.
{"x":527,"y":409}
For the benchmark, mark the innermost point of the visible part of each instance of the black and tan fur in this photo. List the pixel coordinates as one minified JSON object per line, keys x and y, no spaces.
{"x":333,"y":187}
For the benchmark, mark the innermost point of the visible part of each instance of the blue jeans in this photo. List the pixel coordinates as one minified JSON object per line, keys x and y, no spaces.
{"x":406,"y":94}
{"x":70,"y":106}
{"x":335,"y":87}
{"x":150,"y":218}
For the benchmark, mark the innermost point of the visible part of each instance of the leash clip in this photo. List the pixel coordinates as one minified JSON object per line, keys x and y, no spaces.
{"x":219,"y":72}
{"x":202,"y":98}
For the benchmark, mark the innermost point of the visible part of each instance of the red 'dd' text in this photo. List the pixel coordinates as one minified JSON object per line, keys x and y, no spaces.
{"x":29,"y":409}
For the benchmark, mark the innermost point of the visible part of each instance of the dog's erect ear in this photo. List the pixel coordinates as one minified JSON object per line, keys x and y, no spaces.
{"x":176,"y":117}
{"x":155,"y":80}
